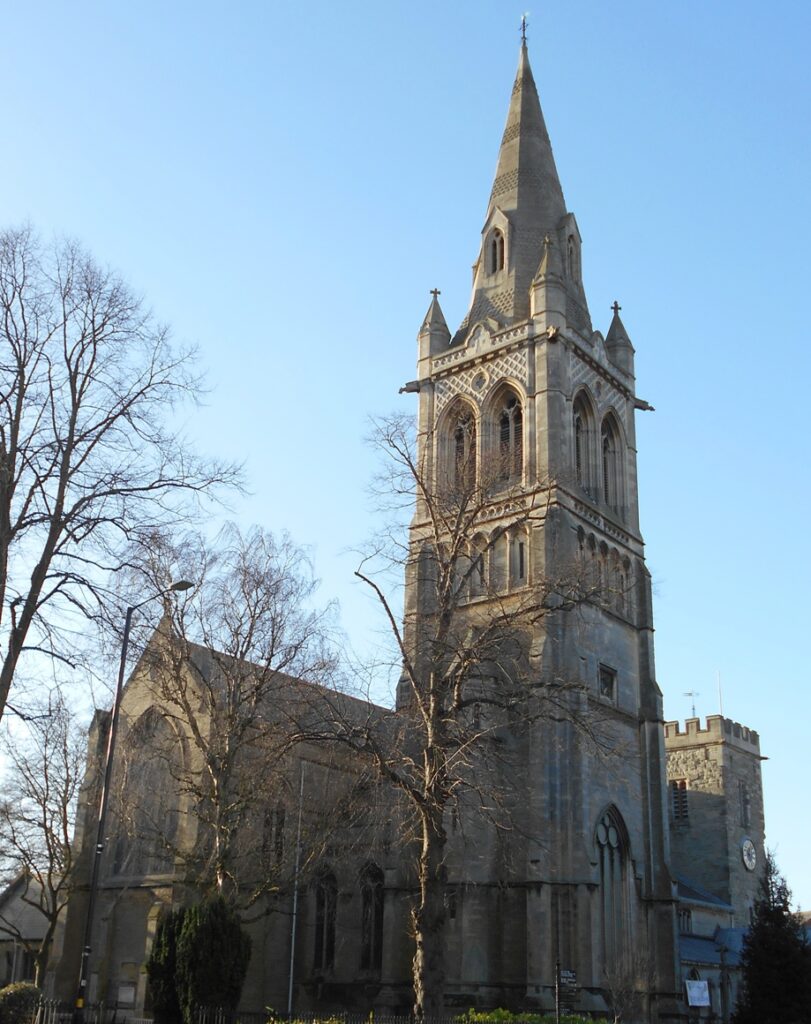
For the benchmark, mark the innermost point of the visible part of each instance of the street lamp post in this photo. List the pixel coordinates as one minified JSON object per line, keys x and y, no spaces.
{"x":81,"y":993}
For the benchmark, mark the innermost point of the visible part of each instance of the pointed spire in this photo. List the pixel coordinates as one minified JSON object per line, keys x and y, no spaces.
{"x":435,"y":318}
{"x":434,"y":335}
{"x":526,"y":203}
{"x":618,"y":344}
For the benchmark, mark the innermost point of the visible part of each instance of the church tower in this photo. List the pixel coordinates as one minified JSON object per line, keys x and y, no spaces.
{"x":529,"y":405}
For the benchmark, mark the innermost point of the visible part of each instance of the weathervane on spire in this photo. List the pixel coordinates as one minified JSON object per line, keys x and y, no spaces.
{"x":524,"y":28}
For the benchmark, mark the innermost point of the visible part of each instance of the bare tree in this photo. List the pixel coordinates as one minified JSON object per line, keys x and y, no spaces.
{"x":469,"y":670}
{"x":45,"y":766}
{"x":89,"y":458}
{"x":628,"y":983}
{"x":235,"y":661}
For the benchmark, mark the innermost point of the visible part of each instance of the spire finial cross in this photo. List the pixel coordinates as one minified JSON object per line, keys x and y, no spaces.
{"x":616,"y":307}
{"x":436,"y":292}
{"x":524,"y":29}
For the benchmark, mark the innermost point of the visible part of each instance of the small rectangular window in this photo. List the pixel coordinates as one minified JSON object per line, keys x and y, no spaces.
{"x":608,"y":682}
{"x":743,"y":798}
{"x":678,"y":797}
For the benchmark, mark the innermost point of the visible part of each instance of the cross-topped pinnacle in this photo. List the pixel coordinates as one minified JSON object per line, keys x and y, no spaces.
{"x":524,"y":29}
{"x":616,"y":307}
{"x":436,"y":292}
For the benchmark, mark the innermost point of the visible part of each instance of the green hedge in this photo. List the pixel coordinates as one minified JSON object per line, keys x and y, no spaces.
{"x":506,"y":1017}
{"x":18,"y":1002}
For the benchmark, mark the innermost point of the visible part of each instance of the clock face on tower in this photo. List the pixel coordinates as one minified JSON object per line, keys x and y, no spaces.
{"x":749,"y":854}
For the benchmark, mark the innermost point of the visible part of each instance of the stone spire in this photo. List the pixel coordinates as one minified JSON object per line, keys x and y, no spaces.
{"x":617,"y":343}
{"x":434,"y":336}
{"x":526,"y":204}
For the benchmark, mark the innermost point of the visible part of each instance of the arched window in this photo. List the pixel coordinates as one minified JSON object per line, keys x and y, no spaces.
{"x":371,"y":942}
{"x":519,"y":565}
{"x":572,"y":263}
{"x":147,"y":798}
{"x":583,"y":429}
{"x":478,"y":574}
{"x":462,"y":443}
{"x":611,"y":465}
{"x":273,"y":835}
{"x":496,"y":251}
{"x":612,"y":855}
{"x":510,"y":425}
{"x":326,"y":902}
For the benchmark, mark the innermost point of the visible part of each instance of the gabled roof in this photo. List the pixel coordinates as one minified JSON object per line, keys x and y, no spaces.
{"x":692,"y":892}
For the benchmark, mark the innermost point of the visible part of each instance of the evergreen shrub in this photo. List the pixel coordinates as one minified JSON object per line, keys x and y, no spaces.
{"x":18,"y":1002}
{"x":161,"y":968}
{"x":501,"y":1016}
{"x":211,"y":958}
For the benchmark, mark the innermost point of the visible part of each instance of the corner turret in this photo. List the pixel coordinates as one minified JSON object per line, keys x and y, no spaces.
{"x":434,"y":336}
{"x":618,"y":345}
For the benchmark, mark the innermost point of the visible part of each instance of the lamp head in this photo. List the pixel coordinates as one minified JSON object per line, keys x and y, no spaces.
{"x":181,"y":585}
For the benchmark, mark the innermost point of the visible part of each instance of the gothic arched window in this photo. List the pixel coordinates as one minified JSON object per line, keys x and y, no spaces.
{"x":478,"y":574}
{"x":496,"y":251}
{"x":462,"y":450}
{"x":510,"y":425}
{"x":612,"y":855}
{"x":611,"y":465}
{"x":326,"y":902}
{"x":147,"y":798}
{"x":519,"y":565}
{"x":583,"y":427}
{"x":371,"y":940}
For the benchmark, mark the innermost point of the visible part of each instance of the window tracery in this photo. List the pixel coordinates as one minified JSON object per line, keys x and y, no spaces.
{"x":326,"y":902}
{"x":612,"y":477}
{"x":462,"y":443}
{"x":496,"y":255}
{"x":372,"y":896}
{"x":612,"y":854}
{"x":510,"y":438}
{"x":583,"y":429}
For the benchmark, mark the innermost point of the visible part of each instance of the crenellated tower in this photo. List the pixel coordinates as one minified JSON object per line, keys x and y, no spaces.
{"x":538,"y":409}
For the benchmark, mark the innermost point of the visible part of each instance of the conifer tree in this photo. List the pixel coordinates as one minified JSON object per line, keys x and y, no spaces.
{"x":161,"y":968}
{"x":776,"y":959}
{"x":212,"y":958}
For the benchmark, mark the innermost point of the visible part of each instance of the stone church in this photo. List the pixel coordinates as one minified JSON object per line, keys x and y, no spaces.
{"x":623,"y":866}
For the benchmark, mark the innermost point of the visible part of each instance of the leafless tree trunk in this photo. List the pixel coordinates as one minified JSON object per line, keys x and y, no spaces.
{"x":88,"y":459}
{"x":45,"y":766}
{"x":465,"y":649}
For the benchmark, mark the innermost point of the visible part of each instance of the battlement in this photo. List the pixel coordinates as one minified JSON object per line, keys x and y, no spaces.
{"x":717,"y":730}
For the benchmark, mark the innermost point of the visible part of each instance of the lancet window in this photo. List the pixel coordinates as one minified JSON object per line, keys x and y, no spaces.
{"x":583,"y":427}
{"x":462,"y":445}
{"x":148,"y":805}
{"x":612,"y":854}
{"x":519,"y":550}
{"x":496,"y":254}
{"x":372,"y":895}
{"x":510,"y":438}
{"x":611,"y":465}
{"x":326,"y":902}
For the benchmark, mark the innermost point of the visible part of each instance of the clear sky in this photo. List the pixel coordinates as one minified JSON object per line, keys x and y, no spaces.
{"x":285,"y":182}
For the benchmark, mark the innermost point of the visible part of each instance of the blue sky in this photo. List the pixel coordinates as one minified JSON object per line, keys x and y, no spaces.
{"x":286,"y":182}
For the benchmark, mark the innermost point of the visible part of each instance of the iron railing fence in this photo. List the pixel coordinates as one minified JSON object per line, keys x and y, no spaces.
{"x":217,"y":1015}
{"x":55,"y":1011}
